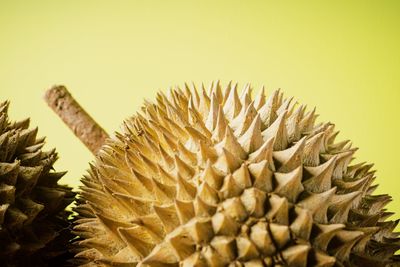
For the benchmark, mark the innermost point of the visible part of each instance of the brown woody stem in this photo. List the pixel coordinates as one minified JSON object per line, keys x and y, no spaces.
{"x":76,"y":118}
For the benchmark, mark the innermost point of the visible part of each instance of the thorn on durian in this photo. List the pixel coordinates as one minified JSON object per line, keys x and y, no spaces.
{"x":318,"y":204}
{"x":289,"y":159}
{"x":231,"y":144}
{"x":277,"y":130}
{"x":232,"y":104}
{"x":227,"y":162}
{"x":211,"y":120}
{"x":269,"y":109}
{"x":259,"y":100}
{"x":219,"y":131}
{"x":289,"y":184}
{"x":252,"y":139}
{"x":321,"y":177}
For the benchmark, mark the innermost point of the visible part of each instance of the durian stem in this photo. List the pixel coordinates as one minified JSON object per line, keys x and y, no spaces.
{"x":76,"y":118}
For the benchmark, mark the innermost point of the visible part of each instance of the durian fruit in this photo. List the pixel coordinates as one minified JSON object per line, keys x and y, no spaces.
{"x":211,"y":178}
{"x":33,"y":223}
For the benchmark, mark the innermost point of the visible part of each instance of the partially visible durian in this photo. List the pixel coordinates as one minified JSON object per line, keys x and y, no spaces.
{"x":34,"y":230}
{"x":211,"y":178}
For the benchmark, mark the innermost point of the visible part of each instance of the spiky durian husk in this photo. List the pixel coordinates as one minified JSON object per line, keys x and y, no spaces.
{"x":33,"y":223}
{"x":214,"y":179}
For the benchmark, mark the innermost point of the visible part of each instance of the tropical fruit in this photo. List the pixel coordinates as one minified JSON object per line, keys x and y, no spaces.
{"x":34,"y":228}
{"x":211,"y":178}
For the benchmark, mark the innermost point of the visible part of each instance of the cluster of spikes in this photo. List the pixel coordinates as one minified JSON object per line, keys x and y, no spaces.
{"x":33,"y":223}
{"x":211,"y":178}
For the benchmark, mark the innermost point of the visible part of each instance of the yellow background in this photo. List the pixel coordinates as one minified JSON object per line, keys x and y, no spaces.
{"x":341,"y":56}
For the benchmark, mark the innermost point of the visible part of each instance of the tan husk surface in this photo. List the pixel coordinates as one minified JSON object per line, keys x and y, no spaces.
{"x":34,"y":227}
{"x":211,"y":178}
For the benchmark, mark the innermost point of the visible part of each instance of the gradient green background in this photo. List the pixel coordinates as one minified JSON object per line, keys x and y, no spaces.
{"x":341,"y":56}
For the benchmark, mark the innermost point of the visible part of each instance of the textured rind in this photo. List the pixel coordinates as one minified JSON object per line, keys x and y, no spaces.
{"x":211,"y":178}
{"x":34,"y":230}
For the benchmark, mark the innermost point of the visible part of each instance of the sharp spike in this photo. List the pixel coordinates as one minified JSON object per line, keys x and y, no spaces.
{"x":183,"y":169}
{"x":175,"y":114}
{"x":208,"y":194}
{"x":362,"y":243}
{"x":243,"y":121}
{"x":324,"y":260}
{"x":195,"y":135}
{"x":230,"y":188}
{"x":224,"y":225}
{"x":144,"y":184}
{"x":217,"y":91}
{"x":296,"y":255}
{"x":181,"y":242}
{"x":242,"y":177}
{"x":231,"y":144}
{"x":324,"y":233}
{"x":202,"y":209}
{"x":349,"y":238}
{"x":187,"y":91}
{"x":186,"y":154}
{"x":211,"y":120}
{"x":280,"y":234}
{"x":184,"y":190}
{"x":279,"y":209}
{"x":264,"y":153}
{"x":290,"y":158}
{"x":302,"y":224}
{"x":307,"y":122}
{"x":262,"y":176}
{"x":227,"y":162}
{"x":184,"y":210}
{"x":200,"y":230}
{"x":195,"y":94}
{"x":164,"y":193}
{"x":206,"y":153}
{"x":168,"y":161}
{"x":261,"y":238}
{"x":138,"y":238}
{"x":204,"y":105}
{"x":340,"y":206}
{"x":224,"y":246}
{"x":245,"y":97}
{"x":234,"y":207}
{"x":212,"y":257}
{"x":211,"y":176}
{"x":321,"y":177}
{"x":168,"y":217}
{"x":289,"y":184}
{"x":168,"y":141}
{"x":360,"y":184}
{"x":259,"y":100}
{"x":254,"y":201}
{"x":219,"y":131}
{"x":292,"y":125}
{"x":318,"y":204}
{"x":285,"y":104}
{"x":312,"y":149}
{"x":268,"y":110}
{"x":197,"y":123}
{"x":252,"y":139}
{"x":343,"y":159}
{"x":232,"y":104}
{"x":246,"y":249}
{"x":277,"y":130}
{"x":227,"y":92}
{"x":175,"y":128}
